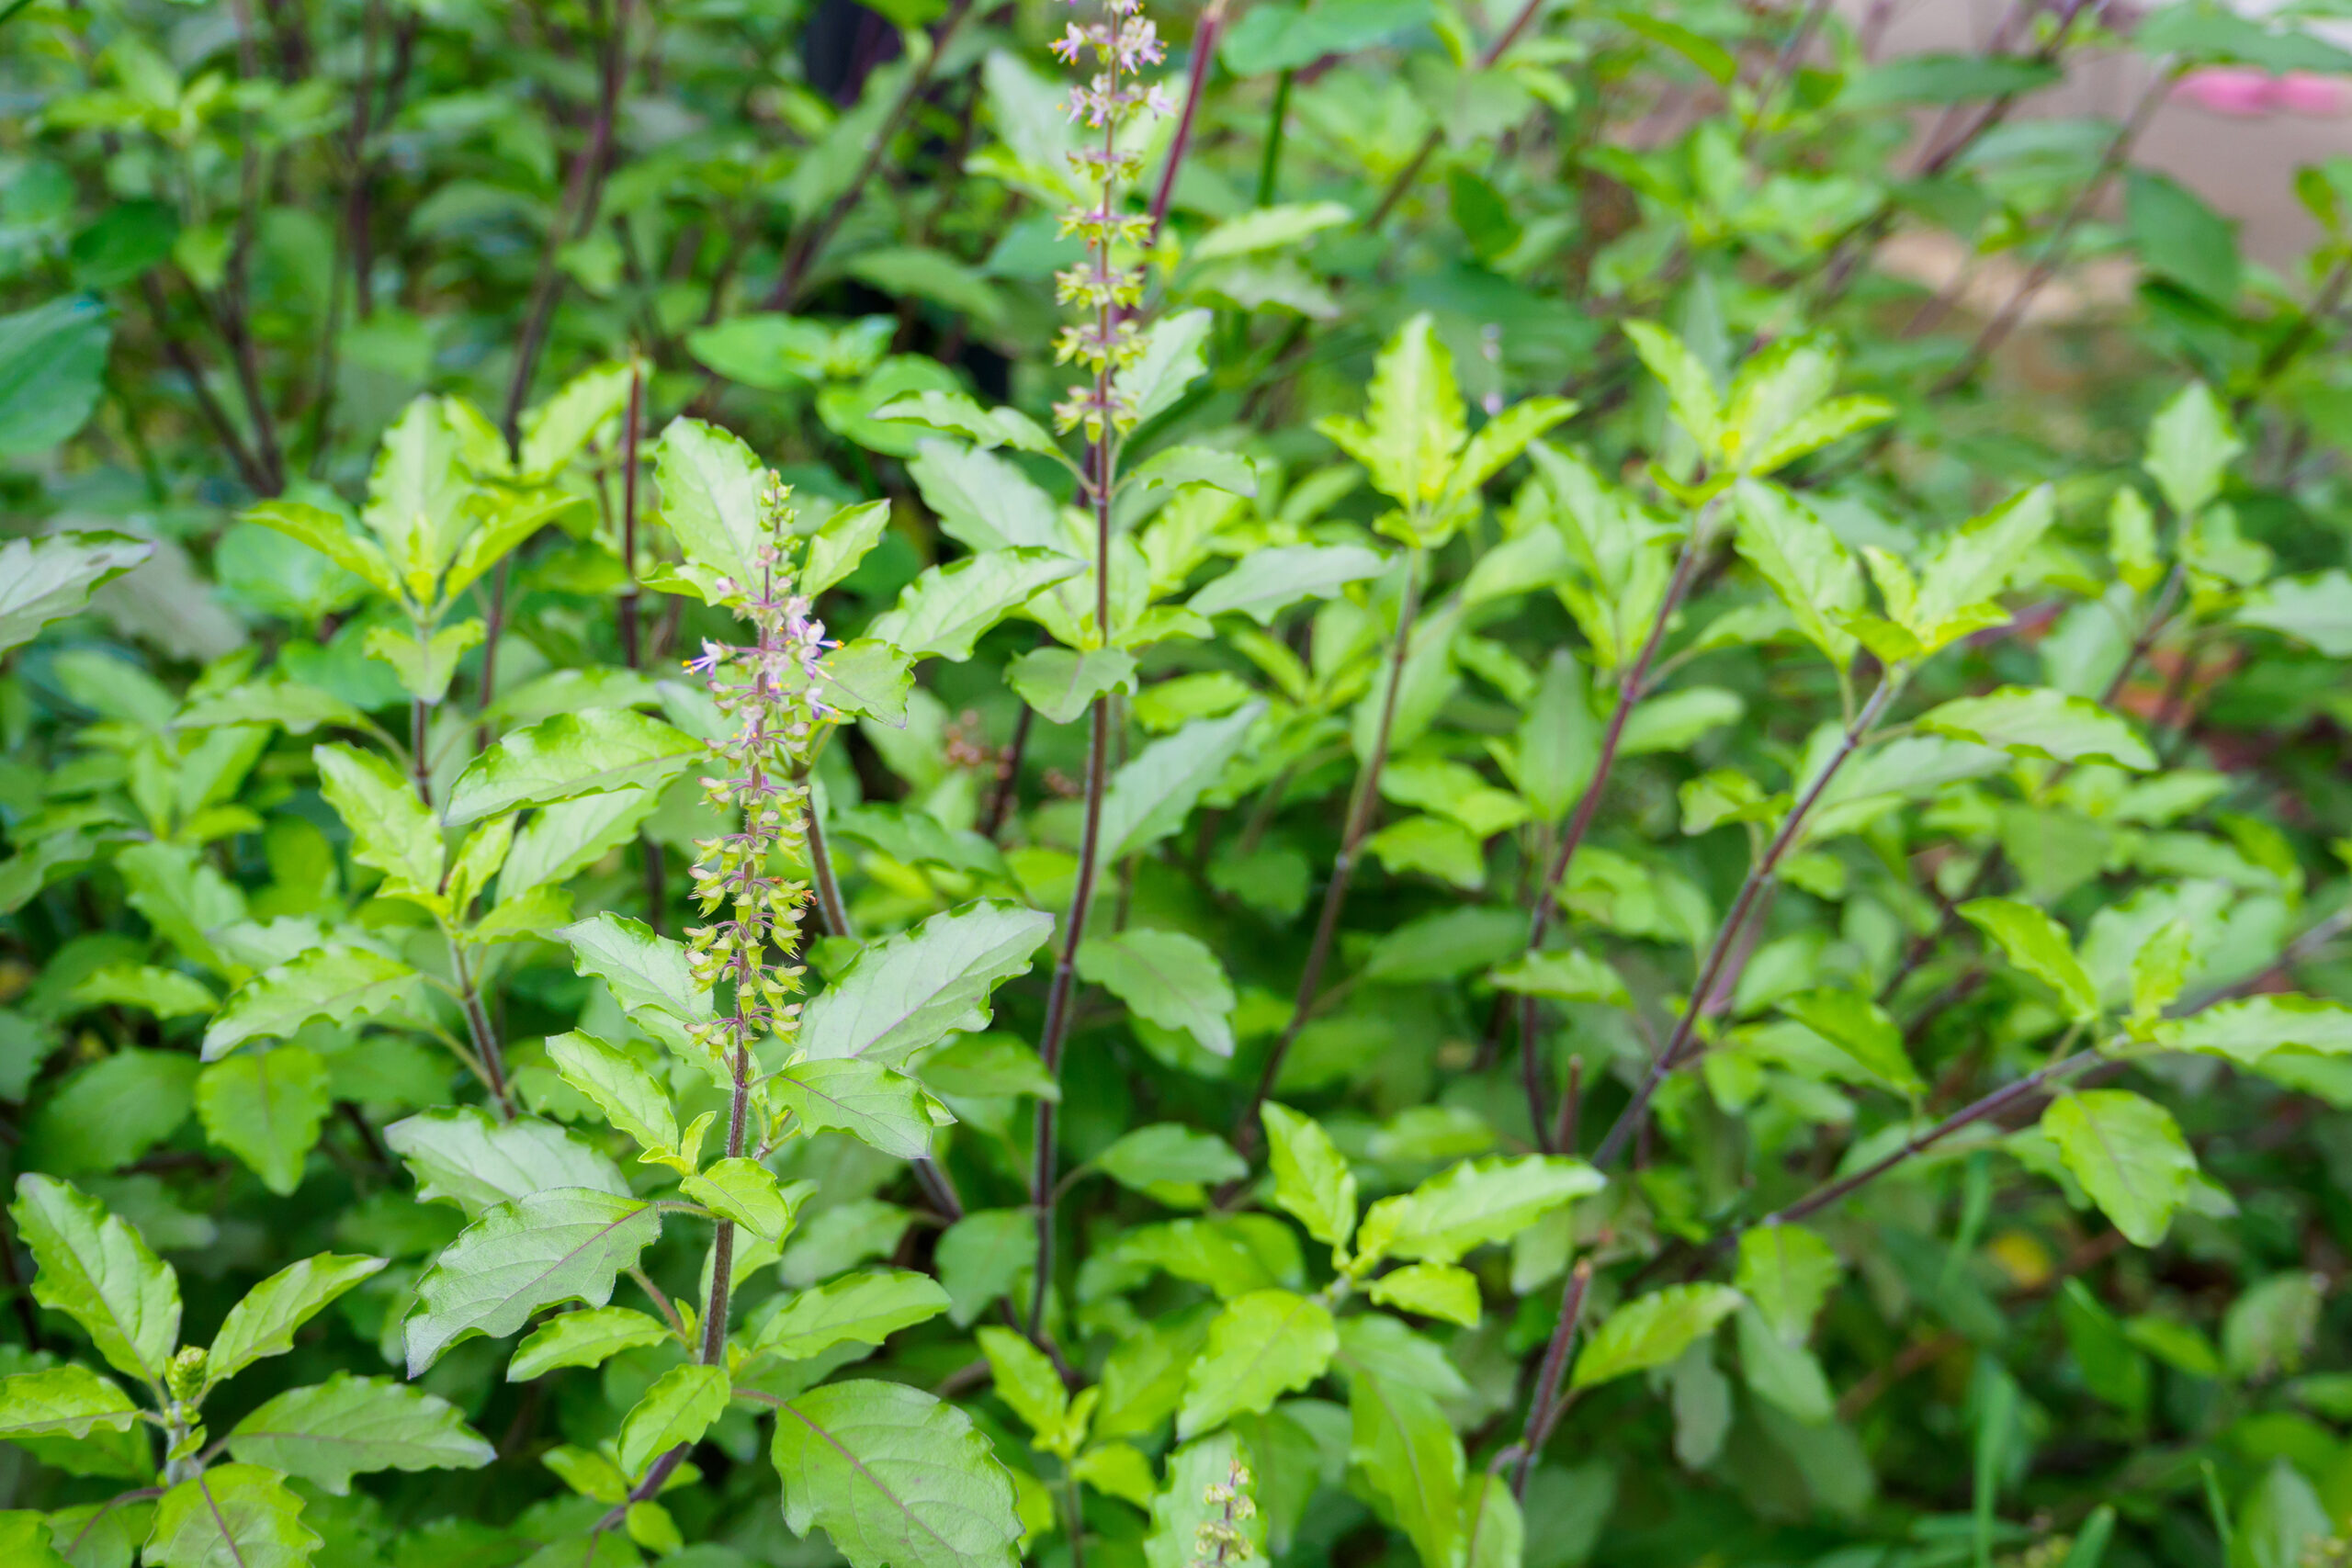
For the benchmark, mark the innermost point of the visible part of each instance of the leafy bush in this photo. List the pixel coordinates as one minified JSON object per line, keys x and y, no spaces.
{"x":1404,"y":825}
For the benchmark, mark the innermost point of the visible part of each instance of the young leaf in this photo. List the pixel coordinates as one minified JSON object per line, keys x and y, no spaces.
{"x":1788,"y":1272}
{"x":68,"y":1401}
{"x":1414,"y":422}
{"x":2251,"y":1029}
{"x":2129,"y":1155}
{"x":266,"y":1107}
{"x":2040,"y":946}
{"x":1262,"y":1345}
{"x":390,"y":829}
{"x":863,"y":1309}
{"x":895,"y":1477}
{"x":323,"y":531}
{"x":588,"y":1338}
{"x":1652,"y":1330}
{"x":568,"y":1244}
{"x":264,"y":1322}
{"x":1690,"y":390}
{"x":1432,"y":1290}
{"x":908,"y":991}
{"x":1168,"y":979}
{"x":840,"y":544}
{"x":327,"y":1433}
{"x":747,"y":1193}
{"x":1470,"y":1204}
{"x":95,"y":1270}
{"x":648,"y":974}
{"x":678,"y":1408}
{"x":2038,"y":722}
{"x":1150,"y":797}
{"x":567,"y":756}
{"x":1312,"y":1181}
{"x":1861,"y":1028}
{"x":1972,"y":563}
{"x":1264,"y":582}
{"x":341,"y":985}
{"x":1025,"y":1380}
{"x":231,"y":1515}
{"x":460,"y":1155}
{"x":942,"y":612}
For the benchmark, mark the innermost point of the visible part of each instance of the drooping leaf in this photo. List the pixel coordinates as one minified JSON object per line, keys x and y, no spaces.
{"x":942,"y":612}
{"x":48,"y":578}
{"x":2038,"y":722}
{"x":863,"y":1309}
{"x":1788,"y":1272}
{"x":1265,"y":582}
{"x":2040,"y":946}
{"x":895,"y":1477}
{"x":883,"y":1108}
{"x":565,"y":1244}
{"x":1400,"y":1439}
{"x":349,"y":1426}
{"x":1150,"y":796}
{"x":266,"y":1107}
{"x":678,"y":1408}
{"x":1173,"y":1163}
{"x":335,"y":983}
{"x":1312,"y":1181}
{"x":588,"y":1338}
{"x":628,"y":1095}
{"x":1167,"y":977}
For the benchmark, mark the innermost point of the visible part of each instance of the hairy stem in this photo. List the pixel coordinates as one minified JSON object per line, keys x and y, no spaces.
{"x":1362,"y":800}
{"x":1728,"y":935}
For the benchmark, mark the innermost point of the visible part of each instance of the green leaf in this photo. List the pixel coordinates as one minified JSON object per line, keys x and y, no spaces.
{"x":26,"y":1540}
{"x":1174,"y":467}
{"x":588,"y":1338}
{"x":880,"y":1107}
{"x":570,"y":755}
{"x":1817,"y":427}
{"x":2190,"y":447}
{"x":1947,"y":79}
{"x":1312,"y":1181}
{"x":1267,"y":229}
{"x":2248,"y":1030}
{"x":1691,"y":391}
{"x":985,"y":428}
{"x":2040,"y":946}
{"x":711,"y":489}
{"x":2316,"y":608}
{"x":1401,"y":1440}
{"x":349,"y":1426}
{"x":1265,"y":582}
{"x":2038,"y":722}
{"x":1432,"y":1290}
{"x":417,"y":493}
{"x":840,"y":542}
{"x":861,"y":1309}
{"x":95,"y":1270}
{"x":1168,"y":979}
{"x":1972,"y":563}
{"x":50,"y":577}
{"x":460,"y":1155}
{"x":648,"y":974}
{"x":870,"y":677}
{"x":985,"y":502}
{"x":1861,"y":1028}
{"x":1414,"y":422}
{"x":1493,"y":1531}
{"x":1025,"y":1380}
{"x":1779,"y":385}
{"x":942,"y":612}
{"x":1802,"y":561}
{"x":560,"y":841}
{"x":2128,"y":1154}
{"x":2158,"y":971}
{"x":1061,"y":684}
{"x":2180,"y":237}
{"x":424,"y":665}
{"x":1570,"y":977}
{"x":1171,"y":1162}
{"x":1470,"y":1204}
{"x":747,"y":1193}
{"x":982,"y":1256}
{"x":232,"y":1516}
{"x":624,"y":1092}
{"x":53,"y":366}
{"x":339,"y":985}
{"x":266,"y":1107}
{"x":678,"y":1408}
{"x":1652,"y":1330}
{"x":323,"y":531}
{"x":113,"y":1111}
{"x":1170,"y":361}
{"x":1504,"y":436}
{"x":1788,"y":1272}
{"x":1197,"y":1473}
{"x":263,"y":1323}
{"x":69,"y":1401}
{"x":1784,"y":1372}
{"x":566,"y":1244}
{"x":895,"y":1477}
{"x":1559,"y":740}
{"x":1152,"y":796}
{"x":908,"y":991}
{"x":1262,"y":1345}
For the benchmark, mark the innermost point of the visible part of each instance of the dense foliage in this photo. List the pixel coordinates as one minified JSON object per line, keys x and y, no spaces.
{"x":1403,"y":824}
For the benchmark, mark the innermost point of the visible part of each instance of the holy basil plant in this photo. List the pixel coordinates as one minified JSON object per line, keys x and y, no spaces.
{"x":1384,"y":787}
